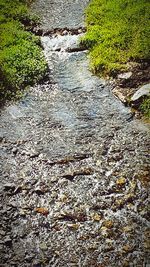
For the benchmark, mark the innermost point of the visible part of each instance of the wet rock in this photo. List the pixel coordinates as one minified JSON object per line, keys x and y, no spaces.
{"x":119,"y":203}
{"x":104,"y":231}
{"x":1,"y":138}
{"x":118,"y":92}
{"x":125,"y":75}
{"x":65,"y":32}
{"x":42,"y":210}
{"x":43,"y":246}
{"x":14,"y":150}
{"x":108,"y":224}
{"x":96,"y":217}
{"x":54,"y":179}
{"x":127,"y":248}
{"x":2,"y":233}
{"x":34,"y":154}
{"x":23,"y":152}
{"x":40,"y":191}
{"x":141,"y":92}
{"x":37,"y":263}
{"x":29,"y":257}
{"x":73,"y":226}
{"x":129,"y":197}
{"x":72,"y":216}
{"x":128,"y":229}
{"x":121,"y":181}
{"x":23,"y":213}
{"x":9,"y":186}
{"x":8,"y":241}
{"x":17,"y":190}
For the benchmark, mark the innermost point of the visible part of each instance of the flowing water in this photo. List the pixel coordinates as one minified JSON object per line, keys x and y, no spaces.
{"x":74,"y":186}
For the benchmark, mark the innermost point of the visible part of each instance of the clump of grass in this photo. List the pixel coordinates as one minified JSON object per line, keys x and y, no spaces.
{"x":145,"y":107}
{"x":22,"y":62}
{"x":117,"y":32}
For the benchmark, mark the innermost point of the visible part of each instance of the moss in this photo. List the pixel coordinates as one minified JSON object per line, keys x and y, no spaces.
{"x":22,"y":60}
{"x":117,"y":32}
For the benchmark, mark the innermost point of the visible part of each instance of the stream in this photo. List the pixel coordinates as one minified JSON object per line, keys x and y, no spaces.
{"x":74,"y":163}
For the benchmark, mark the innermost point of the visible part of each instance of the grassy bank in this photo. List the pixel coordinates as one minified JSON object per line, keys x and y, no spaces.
{"x":117,"y":32}
{"x":22,"y":61}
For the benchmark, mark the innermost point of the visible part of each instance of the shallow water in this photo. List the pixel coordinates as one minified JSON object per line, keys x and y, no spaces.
{"x":60,"y":14}
{"x":72,"y":149}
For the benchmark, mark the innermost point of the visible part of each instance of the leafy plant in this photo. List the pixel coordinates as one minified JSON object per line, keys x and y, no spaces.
{"x":22,"y":61}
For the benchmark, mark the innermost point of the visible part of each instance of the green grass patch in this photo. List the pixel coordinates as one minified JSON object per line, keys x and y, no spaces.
{"x":22,"y":61}
{"x":117,"y":32}
{"x":145,"y":107}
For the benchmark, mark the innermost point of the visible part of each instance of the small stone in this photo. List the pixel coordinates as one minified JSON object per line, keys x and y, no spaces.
{"x":23,"y":213}
{"x":73,"y":226}
{"x":23,"y":152}
{"x":43,"y":246}
{"x":119,"y":203}
{"x":129,"y":197}
{"x":29,"y":257}
{"x":108,"y":224}
{"x":8,"y":241}
{"x":2,"y":233}
{"x":127,"y":248}
{"x":9,"y":186}
{"x":34,"y":154}
{"x":98,"y":163}
{"x":54,"y":179}
{"x":39,"y":191}
{"x":96,"y":217}
{"x":42,"y":210}
{"x":127,"y":229}
{"x":37,"y":263}
{"x":121,"y":181}
{"x":65,"y":32}
{"x":125,"y":75}
{"x":147,"y":245}
{"x":79,"y":31}
{"x":119,"y":94}
{"x":126,"y":263}
{"x":142,"y":91}
{"x":14,"y":150}
{"x":104,"y":231}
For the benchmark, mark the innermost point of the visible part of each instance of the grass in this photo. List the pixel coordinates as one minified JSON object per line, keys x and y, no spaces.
{"x":22,"y":62}
{"x":117,"y":32}
{"x":145,"y":107}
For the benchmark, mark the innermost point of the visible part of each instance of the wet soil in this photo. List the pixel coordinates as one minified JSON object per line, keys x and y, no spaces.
{"x":74,"y":166}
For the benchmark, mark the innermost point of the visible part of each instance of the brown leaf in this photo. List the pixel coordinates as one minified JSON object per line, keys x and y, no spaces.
{"x":42,"y":210}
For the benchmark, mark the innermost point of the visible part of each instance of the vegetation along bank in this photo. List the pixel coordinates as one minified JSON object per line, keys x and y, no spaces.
{"x":118,"y":36}
{"x":22,"y":62}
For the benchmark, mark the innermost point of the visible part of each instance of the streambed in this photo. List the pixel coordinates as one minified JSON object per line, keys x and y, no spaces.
{"x":74,"y":186}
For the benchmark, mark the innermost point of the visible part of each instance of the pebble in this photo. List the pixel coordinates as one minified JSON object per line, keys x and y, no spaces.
{"x":8,"y":241}
{"x":121,"y":181}
{"x":14,"y":150}
{"x":2,"y":233}
{"x":43,"y":246}
{"x":108,"y":224}
{"x":9,"y":186}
